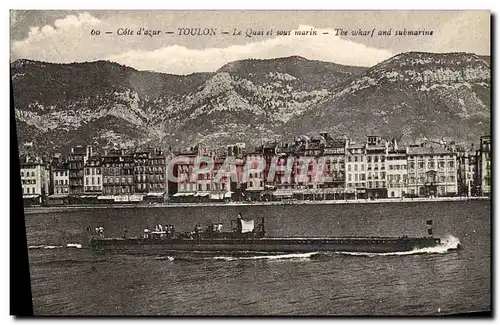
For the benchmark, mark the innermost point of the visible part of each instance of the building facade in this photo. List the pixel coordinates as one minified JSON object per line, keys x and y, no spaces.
{"x":334,"y":169}
{"x":118,"y":173}
{"x":376,"y":169}
{"x":60,"y":180}
{"x":432,"y":171}
{"x":76,"y":164}
{"x":34,"y":178}
{"x":397,"y":173}
{"x":93,"y":175}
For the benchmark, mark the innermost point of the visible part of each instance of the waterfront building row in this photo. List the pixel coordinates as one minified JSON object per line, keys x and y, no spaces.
{"x":377,"y":168}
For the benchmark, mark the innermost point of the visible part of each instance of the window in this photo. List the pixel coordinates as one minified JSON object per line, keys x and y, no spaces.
{"x":65,"y":182}
{"x":355,"y":158}
{"x":349,"y":177}
{"x":451,"y":164}
{"x":362,"y":168}
{"x":33,"y":174}
{"x":369,"y":159}
{"x":349,"y":159}
{"x":355,"y":168}
{"x":375,"y":159}
{"x":412,"y":165}
{"x":421,"y":164}
{"x":28,"y":190}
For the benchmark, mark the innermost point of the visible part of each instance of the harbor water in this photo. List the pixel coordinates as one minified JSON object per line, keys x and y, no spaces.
{"x":67,"y":278}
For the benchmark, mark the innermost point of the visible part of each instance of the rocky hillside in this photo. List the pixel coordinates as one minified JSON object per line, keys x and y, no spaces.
{"x":412,"y":94}
{"x":60,"y":105}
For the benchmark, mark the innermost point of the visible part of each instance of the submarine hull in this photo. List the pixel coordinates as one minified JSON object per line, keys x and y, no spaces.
{"x":289,"y":245}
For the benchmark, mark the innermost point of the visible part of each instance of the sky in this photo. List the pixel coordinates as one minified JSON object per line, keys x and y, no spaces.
{"x":66,"y":36}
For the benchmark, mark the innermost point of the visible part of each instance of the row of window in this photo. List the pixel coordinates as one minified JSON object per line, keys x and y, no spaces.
{"x":441,"y":179}
{"x":149,"y":162}
{"x":61,"y":190}
{"x":397,"y":167}
{"x":27,"y":174}
{"x":116,"y":171}
{"x":150,"y":178}
{"x":397,"y":178}
{"x":375,"y":184}
{"x":61,"y":173}
{"x":92,"y":171}
{"x":356,"y":185}
{"x":93,"y":181}
{"x":361,"y":177}
{"x":207,"y":187}
{"x":117,"y":180}
{"x":144,"y":186}
{"x":433,"y":157}
{"x":28,"y":181}
{"x":118,"y":165}
{"x":93,"y":188}
{"x":112,"y":190}
{"x":432,"y":164}
{"x":29,"y":190}
{"x":149,"y":169}
{"x":354,"y":158}
{"x":61,"y":182}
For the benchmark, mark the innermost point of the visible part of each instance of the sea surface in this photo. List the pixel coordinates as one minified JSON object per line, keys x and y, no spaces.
{"x":78,"y":281}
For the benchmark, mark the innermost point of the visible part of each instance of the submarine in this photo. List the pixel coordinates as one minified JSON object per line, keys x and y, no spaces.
{"x":246,"y":237}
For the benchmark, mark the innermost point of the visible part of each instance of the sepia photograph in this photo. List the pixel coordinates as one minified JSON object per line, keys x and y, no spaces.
{"x":253,"y":162}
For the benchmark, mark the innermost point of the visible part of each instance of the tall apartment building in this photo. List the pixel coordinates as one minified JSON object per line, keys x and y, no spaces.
{"x":397,"y":172}
{"x":76,"y":164}
{"x":34,"y":179}
{"x":376,"y":171}
{"x":118,"y":173}
{"x":432,"y":171}
{"x":93,"y":176}
{"x":60,"y":180}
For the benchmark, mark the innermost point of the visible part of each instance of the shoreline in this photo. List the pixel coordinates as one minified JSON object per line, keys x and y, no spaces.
{"x":48,"y":209}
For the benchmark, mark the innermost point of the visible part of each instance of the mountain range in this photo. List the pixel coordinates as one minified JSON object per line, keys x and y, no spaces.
{"x":408,"y":96}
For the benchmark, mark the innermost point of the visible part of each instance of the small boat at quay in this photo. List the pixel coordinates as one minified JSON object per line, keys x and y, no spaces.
{"x":245,"y":237}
